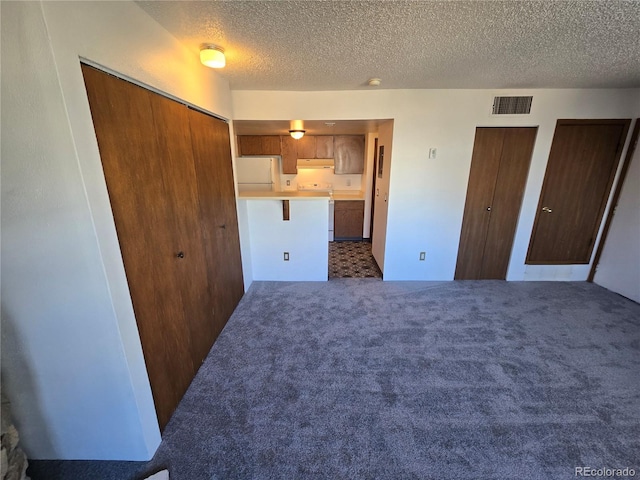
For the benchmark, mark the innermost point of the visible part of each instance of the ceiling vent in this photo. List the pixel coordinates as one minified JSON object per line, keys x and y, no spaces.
{"x":512,"y":105}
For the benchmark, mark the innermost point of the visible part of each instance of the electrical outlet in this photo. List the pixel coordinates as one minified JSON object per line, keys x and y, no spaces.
{"x":286,"y":256}
{"x":288,"y":183}
{"x":422,"y":256}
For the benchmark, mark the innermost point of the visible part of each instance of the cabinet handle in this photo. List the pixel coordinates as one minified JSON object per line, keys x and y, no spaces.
{"x":223,"y":226}
{"x":546,"y":210}
{"x":180,"y":255}
{"x":488,"y":209}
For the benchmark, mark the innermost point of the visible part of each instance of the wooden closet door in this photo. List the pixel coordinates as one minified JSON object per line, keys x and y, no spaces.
{"x":582,"y":165}
{"x":218,"y":217}
{"x":499,"y":168}
{"x":485,"y":163}
{"x":135,"y":172}
{"x":180,"y":181}
{"x":515,"y":160}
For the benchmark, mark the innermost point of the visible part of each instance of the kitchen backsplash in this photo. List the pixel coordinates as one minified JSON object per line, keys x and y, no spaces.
{"x":321,"y":175}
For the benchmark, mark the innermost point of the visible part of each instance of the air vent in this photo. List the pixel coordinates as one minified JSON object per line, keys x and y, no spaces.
{"x":512,"y":105}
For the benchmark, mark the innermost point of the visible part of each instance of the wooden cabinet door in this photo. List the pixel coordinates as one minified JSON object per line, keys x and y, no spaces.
{"x":289,"y":155}
{"x":499,"y":168}
{"x":348,"y":219}
{"x":249,"y":145}
{"x":306,"y":147}
{"x":582,"y":165}
{"x":324,"y":146}
{"x":258,"y":145}
{"x":270,"y":145}
{"x":348,"y":152}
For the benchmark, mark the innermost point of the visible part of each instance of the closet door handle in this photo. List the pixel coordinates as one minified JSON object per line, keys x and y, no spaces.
{"x":180,"y":255}
{"x":488,"y":209}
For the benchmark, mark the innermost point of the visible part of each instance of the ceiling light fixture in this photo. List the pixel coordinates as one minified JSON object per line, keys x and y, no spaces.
{"x":374,"y":82}
{"x":212,"y":56}
{"x":297,"y":134}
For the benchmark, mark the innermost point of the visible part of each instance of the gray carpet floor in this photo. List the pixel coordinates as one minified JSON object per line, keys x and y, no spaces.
{"x":363,"y":379}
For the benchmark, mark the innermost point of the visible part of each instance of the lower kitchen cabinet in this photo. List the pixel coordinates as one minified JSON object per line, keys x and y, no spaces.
{"x":349,"y":219}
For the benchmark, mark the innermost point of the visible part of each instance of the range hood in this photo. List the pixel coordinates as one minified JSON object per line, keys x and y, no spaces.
{"x":315,"y":163}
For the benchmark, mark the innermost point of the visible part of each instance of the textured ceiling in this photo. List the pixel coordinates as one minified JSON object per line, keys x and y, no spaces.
{"x":339,"y":45}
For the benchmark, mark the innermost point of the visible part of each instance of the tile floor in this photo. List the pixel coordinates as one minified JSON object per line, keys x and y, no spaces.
{"x":352,"y":260}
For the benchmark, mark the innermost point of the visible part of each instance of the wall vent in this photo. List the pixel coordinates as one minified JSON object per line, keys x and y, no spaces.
{"x":512,"y":105}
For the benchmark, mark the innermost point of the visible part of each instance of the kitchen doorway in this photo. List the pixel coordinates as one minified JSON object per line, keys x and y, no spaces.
{"x":352,"y":259}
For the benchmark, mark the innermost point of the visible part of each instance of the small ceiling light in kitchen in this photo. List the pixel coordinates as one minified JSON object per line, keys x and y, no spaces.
{"x":297,"y":134}
{"x":212,"y":56}
{"x":374,"y":82}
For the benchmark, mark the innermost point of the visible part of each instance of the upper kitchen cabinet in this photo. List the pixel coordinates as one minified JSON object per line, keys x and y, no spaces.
{"x":258,"y":145}
{"x":348,"y":152}
{"x":289,"y":154}
{"x":324,"y":146}
{"x":315,"y":146}
{"x":306,"y":147}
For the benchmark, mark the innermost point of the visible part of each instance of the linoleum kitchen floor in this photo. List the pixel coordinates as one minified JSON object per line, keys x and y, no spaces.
{"x":352,"y":260}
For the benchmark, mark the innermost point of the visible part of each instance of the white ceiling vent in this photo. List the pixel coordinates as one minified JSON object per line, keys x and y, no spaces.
{"x":512,"y":105}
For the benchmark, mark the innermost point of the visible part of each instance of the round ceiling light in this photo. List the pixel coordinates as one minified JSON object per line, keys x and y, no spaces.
{"x":212,"y":56}
{"x":374,"y":82}
{"x":297,"y":134}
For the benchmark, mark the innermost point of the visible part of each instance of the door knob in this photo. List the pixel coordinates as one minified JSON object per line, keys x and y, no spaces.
{"x":180,"y":255}
{"x":488,"y":209}
{"x":546,"y":210}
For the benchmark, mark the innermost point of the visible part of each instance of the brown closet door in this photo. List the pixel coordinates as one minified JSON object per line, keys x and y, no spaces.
{"x":582,"y":164}
{"x":485,"y":162}
{"x":517,"y":148}
{"x":173,"y":136}
{"x":499,"y":168}
{"x":218,"y":217}
{"x":169,"y":175}
{"x":135,"y":169}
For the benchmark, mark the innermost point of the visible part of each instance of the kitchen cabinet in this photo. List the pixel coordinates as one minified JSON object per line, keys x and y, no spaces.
{"x":348,"y":219}
{"x":348,"y":152}
{"x":258,"y":145}
{"x":324,"y":146}
{"x":306,"y":147}
{"x":289,"y":153}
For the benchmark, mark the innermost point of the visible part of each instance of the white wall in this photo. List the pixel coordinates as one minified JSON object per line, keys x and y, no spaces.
{"x":72,"y":363}
{"x":305,"y":236}
{"x":619,"y":267}
{"x":427,"y":196}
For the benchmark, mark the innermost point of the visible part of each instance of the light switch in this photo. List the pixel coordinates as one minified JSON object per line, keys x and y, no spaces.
{"x":432,"y":153}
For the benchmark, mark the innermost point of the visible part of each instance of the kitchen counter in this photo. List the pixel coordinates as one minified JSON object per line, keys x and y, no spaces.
{"x":348,"y":195}
{"x":286,"y":195}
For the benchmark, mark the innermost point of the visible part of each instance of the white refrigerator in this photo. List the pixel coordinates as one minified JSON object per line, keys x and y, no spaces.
{"x":257,"y":174}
